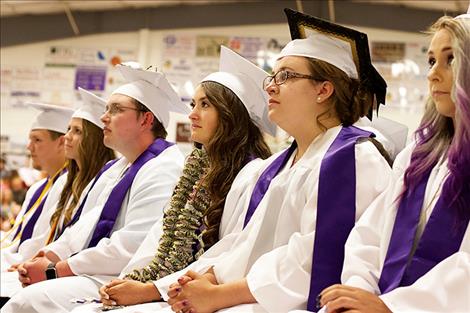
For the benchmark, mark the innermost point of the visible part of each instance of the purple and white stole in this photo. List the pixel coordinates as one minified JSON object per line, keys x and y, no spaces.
{"x":442,"y":236}
{"x":78,"y":213}
{"x":336,"y":210}
{"x":265,"y":179}
{"x":29,"y":227}
{"x":113,"y":205}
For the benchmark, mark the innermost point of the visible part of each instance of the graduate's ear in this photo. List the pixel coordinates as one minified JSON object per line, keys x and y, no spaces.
{"x":324,"y":91}
{"x":61,"y":141}
{"x":148,"y":120}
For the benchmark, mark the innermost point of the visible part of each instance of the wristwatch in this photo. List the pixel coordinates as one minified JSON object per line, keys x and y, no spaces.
{"x":51,"y":272}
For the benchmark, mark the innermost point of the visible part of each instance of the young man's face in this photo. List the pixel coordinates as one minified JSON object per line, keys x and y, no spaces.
{"x":122,"y":122}
{"x":43,"y":148}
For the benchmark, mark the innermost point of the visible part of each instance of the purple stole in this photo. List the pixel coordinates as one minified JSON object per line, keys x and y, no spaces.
{"x":336,"y":211}
{"x":80,"y":208}
{"x":442,"y":237}
{"x":265,"y":179}
{"x":113,"y":205}
{"x":28,"y":229}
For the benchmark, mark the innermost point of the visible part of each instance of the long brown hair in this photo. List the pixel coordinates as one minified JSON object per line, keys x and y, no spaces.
{"x":93,"y":156}
{"x":235,"y":140}
{"x":349,"y":100}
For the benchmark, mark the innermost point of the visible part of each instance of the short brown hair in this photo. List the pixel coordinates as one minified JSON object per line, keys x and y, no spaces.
{"x":157,"y":128}
{"x":54,"y":134}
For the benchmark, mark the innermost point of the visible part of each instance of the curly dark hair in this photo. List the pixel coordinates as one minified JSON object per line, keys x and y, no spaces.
{"x":235,"y":140}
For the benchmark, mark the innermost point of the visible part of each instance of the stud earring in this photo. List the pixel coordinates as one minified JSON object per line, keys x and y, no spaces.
{"x":318,"y":99}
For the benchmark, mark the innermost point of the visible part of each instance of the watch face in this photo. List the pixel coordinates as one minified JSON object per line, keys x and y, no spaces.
{"x":51,"y":272}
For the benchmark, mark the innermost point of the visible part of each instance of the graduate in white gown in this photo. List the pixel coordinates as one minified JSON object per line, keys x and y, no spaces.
{"x":103,"y":240}
{"x":331,"y":175}
{"x":46,"y":145}
{"x":84,"y":148}
{"x":228,"y":109}
{"x":411,"y":250}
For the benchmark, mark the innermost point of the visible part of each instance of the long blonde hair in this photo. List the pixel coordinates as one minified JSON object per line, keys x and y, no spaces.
{"x":439,"y":135}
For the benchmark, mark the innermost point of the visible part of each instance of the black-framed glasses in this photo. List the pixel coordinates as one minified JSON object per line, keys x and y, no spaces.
{"x":282,"y":76}
{"x":115,"y":108}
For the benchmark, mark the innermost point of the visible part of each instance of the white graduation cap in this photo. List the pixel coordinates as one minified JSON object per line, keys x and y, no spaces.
{"x":325,"y":48}
{"x":465,"y":16}
{"x":153,"y":90}
{"x":92,"y":107}
{"x":245,"y":79}
{"x":51,"y":117}
{"x":343,"y":47}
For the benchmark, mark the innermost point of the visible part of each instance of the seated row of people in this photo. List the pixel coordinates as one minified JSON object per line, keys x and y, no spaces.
{"x":244,"y":231}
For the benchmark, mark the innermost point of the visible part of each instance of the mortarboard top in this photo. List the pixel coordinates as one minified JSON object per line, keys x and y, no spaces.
{"x":51,"y":117}
{"x":92,"y":107}
{"x":245,"y":79}
{"x":153,"y":90}
{"x":343,"y":39}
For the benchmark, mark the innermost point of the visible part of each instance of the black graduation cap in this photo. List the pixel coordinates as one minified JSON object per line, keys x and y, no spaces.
{"x":301,"y":24}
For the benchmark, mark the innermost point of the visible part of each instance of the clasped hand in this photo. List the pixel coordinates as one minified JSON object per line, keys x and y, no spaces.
{"x":128,"y":292}
{"x":192,"y":293}
{"x":341,"y":298}
{"x":33,"y":271}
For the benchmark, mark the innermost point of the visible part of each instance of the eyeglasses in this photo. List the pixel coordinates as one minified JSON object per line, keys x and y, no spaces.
{"x":282,"y":76}
{"x":114,"y":109}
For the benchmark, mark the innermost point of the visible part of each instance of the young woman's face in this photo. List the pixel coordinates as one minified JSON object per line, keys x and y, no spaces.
{"x":440,"y":75}
{"x":73,"y":138}
{"x":204,"y":118}
{"x":291,"y":104}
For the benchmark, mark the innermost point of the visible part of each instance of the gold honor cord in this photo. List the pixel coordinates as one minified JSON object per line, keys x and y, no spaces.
{"x":52,"y":232}
{"x":31,"y":211}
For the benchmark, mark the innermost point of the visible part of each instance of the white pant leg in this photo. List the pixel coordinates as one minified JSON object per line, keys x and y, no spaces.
{"x":138,"y":308}
{"x":88,"y":308}
{"x":166,"y":309}
{"x":242,"y":308}
{"x":143,"y":308}
{"x":8,"y":257}
{"x":9,"y":284}
{"x":52,"y":296}
{"x":245,"y":308}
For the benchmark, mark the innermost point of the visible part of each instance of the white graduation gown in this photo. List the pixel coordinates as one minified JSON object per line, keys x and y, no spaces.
{"x":228,"y":224}
{"x":141,"y":208}
{"x":16,"y":253}
{"x":31,"y":246}
{"x":278,"y":241}
{"x":7,"y":237}
{"x":445,"y":288}
{"x":284,"y":223}
{"x":231,"y":225}
{"x":88,"y":286}
{"x":279,"y":279}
